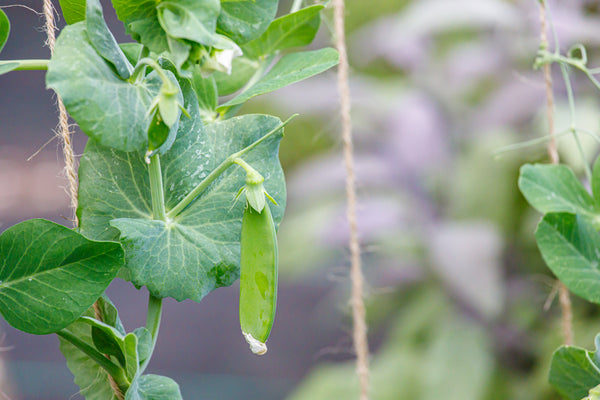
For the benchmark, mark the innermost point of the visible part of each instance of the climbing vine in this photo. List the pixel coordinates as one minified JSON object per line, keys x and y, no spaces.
{"x":173,"y":185}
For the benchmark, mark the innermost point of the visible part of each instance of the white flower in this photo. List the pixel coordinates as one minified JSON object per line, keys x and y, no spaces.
{"x":225,"y":58}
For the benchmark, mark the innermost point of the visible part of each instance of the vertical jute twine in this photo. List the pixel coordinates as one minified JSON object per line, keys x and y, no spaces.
{"x":64,"y":132}
{"x":361,"y":345}
{"x":563,"y":292}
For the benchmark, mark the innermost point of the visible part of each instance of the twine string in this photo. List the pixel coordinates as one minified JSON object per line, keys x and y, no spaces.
{"x":552,"y":148}
{"x":359,"y":333}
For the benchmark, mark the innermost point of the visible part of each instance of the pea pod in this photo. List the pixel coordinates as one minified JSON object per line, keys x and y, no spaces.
{"x":258,"y":277}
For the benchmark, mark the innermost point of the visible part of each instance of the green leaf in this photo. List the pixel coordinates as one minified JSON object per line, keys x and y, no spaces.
{"x":141,"y":22}
{"x":179,"y":51}
{"x":244,"y":20}
{"x":190,"y":19}
{"x":555,"y":188}
{"x":242,"y":70}
{"x":130,"y":347}
{"x":144,"y":340}
{"x":292,"y":30}
{"x":4,"y":29}
{"x":107,"y":108}
{"x":92,"y":379}
{"x":153,"y":387}
{"x":206,"y":90}
{"x":199,"y":250}
{"x":159,"y":133}
{"x":290,"y":69}
{"x":73,"y":10}
{"x":132,"y":51}
{"x":570,"y":247}
{"x":103,"y":41}
{"x":50,"y":274}
{"x":106,"y":338}
{"x":573,"y":372}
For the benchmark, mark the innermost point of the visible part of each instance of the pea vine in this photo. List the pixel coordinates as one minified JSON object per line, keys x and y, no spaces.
{"x":567,"y":236}
{"x":159,"y":181}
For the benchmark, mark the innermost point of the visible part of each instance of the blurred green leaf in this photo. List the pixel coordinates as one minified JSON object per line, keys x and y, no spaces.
{"x":555,"y":189}
{"x":153,"y":387}
{"x":292,"y":30}
{"x":141,"y":22}
{"x":4,"y":29}
{"x":596,"y":182}
{"x":241,"y":71}
{"x":8,"y":66}
{"x":570,"y":246}
{"x":573,"y":373}
{"x":243,"y":20}
{"x":190,"y":19}
{"x":73,"y":10}
{"x":206,"y":91}
{"x":432,"y":353}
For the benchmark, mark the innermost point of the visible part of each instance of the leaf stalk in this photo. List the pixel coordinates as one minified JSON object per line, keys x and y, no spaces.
{"x":228,"y":162}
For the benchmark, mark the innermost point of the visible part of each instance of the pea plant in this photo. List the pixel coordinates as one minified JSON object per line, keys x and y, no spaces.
{"x":567,"y":235}
{"x":176,"y":193}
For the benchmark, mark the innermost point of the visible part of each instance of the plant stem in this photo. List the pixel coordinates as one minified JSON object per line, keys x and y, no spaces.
{"x":296,"y":6}
{"x":113,"y":370}
{"x":158,"y":211}
{"x":565,"y":74}
{"x":141,"y":67}
{"x":152,"y":324}
{"x":200,"y":188}
{"x":156,"y":188}
{"x":191,"y":196}
{"x":27,"y":65}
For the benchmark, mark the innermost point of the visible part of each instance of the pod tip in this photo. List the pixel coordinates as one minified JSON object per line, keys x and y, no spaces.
{"x":256,"y":346}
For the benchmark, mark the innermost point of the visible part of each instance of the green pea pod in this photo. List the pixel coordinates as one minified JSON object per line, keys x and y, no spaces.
{"x":258,"y":277}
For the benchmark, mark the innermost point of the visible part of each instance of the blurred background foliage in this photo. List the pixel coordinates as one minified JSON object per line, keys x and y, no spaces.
{"x":460,"y":305}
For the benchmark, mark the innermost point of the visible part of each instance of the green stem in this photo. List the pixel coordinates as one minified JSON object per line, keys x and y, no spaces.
{"x":27,"y":65}
{"x":140,"y":68}
{"x":565,"y":75}
{"x":152,"y":324}
{"x":191,"y":196}
{"x":156,"y":188}
{"x":113,"y":370}
{"x":562,"y":60}
{"x":200,"y":188}
{"x":158,"y":211}
{"x":296,"y":6}
{"x":247,"y":167}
